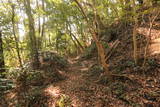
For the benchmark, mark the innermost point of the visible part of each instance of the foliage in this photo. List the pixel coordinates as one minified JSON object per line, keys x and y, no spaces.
{"x":64,"y":101}
{"x":6,"y":85}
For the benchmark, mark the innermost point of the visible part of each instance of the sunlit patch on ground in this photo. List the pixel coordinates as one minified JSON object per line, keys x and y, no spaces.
{"x":53,"y":91}
{"x":58,"y":98}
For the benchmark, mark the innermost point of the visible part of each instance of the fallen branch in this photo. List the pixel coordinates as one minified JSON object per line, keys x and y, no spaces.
{"x":112,"y":49}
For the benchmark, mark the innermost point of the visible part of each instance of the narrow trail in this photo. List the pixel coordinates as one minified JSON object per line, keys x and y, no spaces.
{"x":82,"y":91}
{"x":74,"y":83}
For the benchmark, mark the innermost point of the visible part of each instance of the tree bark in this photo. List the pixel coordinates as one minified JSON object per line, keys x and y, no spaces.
{"x":2,"y":64}
{"x":43,"y":27}
{"x":39,"y":21}
{"x":15,"y":37}
{"x":135,"y":35}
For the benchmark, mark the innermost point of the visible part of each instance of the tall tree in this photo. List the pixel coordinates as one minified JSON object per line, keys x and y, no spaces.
{"x":15,"y":36}
{"x":39,"y":21}
{"x":2,"y":64}
{"x":32,"y":35}
{"x":43,"y":25}
{"x":135,"y":34}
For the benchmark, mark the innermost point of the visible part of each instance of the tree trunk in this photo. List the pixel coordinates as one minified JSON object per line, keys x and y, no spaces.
{"x":15,"y":37}
{"x":39,"y":26}
{"x":2,"y":64}
{"x":39,"y":21}
{"x":135,"y":35}
{"x":32,"y":36}
{"x":43,"y":26}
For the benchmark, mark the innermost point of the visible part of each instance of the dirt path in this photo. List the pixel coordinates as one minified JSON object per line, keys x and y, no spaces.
{"x":82,"y":91}
{"x":73,"y":85}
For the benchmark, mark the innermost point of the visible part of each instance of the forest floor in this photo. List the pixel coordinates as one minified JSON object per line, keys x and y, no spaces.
{"x":84,"y":90}
{"x":83,"y":93}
